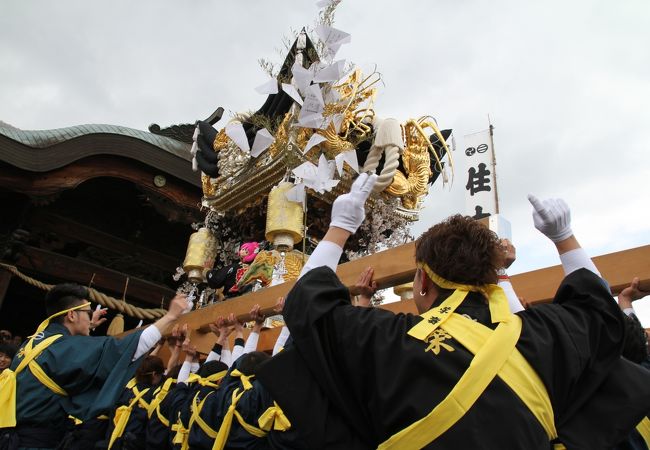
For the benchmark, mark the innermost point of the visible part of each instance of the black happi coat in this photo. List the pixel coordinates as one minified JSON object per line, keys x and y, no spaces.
{"x":197,"y":438}
{"x":251,"y":406}
{"x":178,"y":407}
{"x":157,"y":433}
{"x":355,"y":378}
{"x":134,"y":435}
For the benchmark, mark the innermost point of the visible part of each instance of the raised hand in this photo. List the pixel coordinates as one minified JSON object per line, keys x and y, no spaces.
{"x":175,"y":341}
{"x":631,"y":293}
{"x":239,"y":328}
{"x":225,"y":328}
{"x":279,"y":305}
{"x":216,"y":326}
{"x":188,"y":348}
{"x":509,"y":253}
{"x":348,"y":210}
{"x":257,"y":317}
{"x":98,"y":317}
{"x":552,"y":217}
{"x":256,"y":314}
{"x":177,"y":306}
{"x":364,"y":288}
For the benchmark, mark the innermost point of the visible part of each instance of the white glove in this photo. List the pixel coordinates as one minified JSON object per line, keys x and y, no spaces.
{"x":552,"y":217}
{"x":348,"y":209}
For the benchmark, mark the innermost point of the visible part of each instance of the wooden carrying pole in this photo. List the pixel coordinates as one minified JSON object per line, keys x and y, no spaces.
{"x":397,"y":266}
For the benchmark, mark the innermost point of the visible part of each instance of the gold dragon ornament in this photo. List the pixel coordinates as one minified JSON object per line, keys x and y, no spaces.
{"x":356,"y":96}
{"x":411,"y":186}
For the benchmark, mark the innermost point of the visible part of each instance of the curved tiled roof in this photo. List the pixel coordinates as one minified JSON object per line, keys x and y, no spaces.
{"x":44,"y":150}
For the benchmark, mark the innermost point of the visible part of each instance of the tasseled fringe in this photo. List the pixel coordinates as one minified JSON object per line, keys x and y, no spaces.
{"x":117,"y":325}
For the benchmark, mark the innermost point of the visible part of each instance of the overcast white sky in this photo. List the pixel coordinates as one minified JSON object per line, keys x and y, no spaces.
{"x":566,"y":84}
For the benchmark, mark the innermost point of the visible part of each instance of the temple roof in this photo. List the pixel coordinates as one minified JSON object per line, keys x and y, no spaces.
{"x":44,"y":150}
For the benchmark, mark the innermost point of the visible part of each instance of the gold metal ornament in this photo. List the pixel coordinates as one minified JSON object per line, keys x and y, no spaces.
{"x":200,"y":255}
{"x":283,"y":218}
{"x":412,"y":185}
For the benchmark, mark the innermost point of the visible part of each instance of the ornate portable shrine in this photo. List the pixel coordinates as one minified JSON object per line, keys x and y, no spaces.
{"x":272,"y":175}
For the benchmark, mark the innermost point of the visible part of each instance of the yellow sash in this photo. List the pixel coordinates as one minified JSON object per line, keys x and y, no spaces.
{"x":159,"y":396}
{"x":274,"y":418}
{"x":495,"y":354}
{"x":516,"y":372}
{"x":164,"y":420}
{"x":211,"y":380}
{"x":182,"y":436}
{"x":196,"y":418}
{"x":8,"y":376}
{"x":123,"y":413}
{"x":245,"y":379}
{"x":8,"y":381}
{"x":226,"y":424}
{"x":196,"y":409}
{"x":181,"y":431}
{"x":644,"y":430}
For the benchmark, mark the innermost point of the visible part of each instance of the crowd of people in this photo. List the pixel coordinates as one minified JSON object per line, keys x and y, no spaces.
{"x":475,"y":368}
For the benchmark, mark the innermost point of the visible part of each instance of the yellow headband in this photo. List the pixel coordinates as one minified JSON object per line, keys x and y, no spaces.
{"x":497,"y":301}
{"x":46,"y":322}
{"x":446,"y":284}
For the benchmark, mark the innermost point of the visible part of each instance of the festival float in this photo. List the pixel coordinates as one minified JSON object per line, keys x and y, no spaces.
{"x":269,"y":177}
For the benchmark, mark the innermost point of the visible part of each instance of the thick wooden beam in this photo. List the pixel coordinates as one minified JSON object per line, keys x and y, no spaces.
{"x":69,"y":228}
{"x":105,"y":280}
{"x":397,"y":266}
{"x":617,"y":268}
{"x":392,"y":267}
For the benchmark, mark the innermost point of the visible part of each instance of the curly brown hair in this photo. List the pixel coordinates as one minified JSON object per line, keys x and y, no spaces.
{"x":462,"y":250}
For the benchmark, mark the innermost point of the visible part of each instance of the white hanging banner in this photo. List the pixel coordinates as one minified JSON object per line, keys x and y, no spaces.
{"x":480,"y":181}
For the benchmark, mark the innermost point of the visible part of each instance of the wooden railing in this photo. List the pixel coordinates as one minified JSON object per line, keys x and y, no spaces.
{"x":396,"y":266}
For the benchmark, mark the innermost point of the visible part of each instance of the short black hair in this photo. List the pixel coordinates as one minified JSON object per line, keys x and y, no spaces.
{"x":251,"y":361}
{"x":64,"y":296}
{"x":211,"y":367}
{"x":8,"y":349}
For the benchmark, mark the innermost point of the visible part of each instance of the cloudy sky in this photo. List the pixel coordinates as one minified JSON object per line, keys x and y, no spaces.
{"x":566,"y":85}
